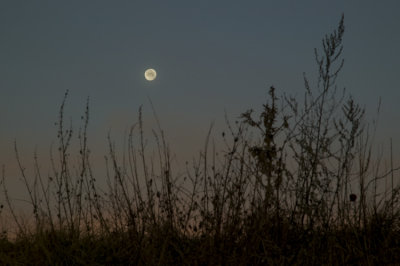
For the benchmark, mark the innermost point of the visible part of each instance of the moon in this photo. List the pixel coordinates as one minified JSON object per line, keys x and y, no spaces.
{"x":150,"y":74}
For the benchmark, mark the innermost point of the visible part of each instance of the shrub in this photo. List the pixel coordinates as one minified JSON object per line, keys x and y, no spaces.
{"x":293,"y":186}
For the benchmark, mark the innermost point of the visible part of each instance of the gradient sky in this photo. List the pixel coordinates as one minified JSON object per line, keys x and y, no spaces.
{"x":210,"y":57}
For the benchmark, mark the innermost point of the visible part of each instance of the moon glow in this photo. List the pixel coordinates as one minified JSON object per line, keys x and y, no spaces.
{"x":150,"y":74}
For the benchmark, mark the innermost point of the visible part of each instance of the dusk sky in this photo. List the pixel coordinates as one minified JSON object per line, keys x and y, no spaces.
{"x":211,"y":57}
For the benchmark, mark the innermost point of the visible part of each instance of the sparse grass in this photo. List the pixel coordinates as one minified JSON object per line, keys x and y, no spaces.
{"x":297,"y":186}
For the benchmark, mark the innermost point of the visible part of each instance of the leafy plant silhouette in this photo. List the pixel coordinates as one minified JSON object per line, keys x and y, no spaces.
{"x":295,"y":185}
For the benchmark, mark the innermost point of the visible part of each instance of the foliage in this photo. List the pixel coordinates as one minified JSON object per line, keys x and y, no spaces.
{"x":294,"y":186}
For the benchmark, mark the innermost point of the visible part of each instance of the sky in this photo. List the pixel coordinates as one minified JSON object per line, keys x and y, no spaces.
{"x":211,"y":58}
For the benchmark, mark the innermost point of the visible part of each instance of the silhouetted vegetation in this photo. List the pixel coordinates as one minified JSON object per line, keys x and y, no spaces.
{"x":296,"y":184}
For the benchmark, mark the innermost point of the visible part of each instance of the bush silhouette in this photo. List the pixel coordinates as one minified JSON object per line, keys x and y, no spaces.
{"x":295,"y":185}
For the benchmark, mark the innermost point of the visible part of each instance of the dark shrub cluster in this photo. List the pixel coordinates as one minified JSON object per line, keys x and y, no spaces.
{"x":293,"y":185}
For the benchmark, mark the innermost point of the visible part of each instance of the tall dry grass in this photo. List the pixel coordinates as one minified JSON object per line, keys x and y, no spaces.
{"x":298,"y":184}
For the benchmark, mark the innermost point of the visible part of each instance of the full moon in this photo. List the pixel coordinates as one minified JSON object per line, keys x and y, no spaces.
{"x":150,"y":74}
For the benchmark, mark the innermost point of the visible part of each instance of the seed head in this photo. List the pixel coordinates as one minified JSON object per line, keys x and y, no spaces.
{"x":353,"y":197}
